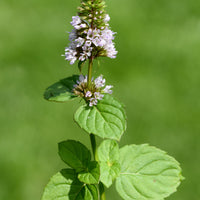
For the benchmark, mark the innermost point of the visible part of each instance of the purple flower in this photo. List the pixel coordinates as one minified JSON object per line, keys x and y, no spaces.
{"x":107,"y":89}
{"x":96,"y":93}
{"x":88,"y":94}
{"x":75,"y":21}
{"x":99,"y":82}
{"x":93,"y":102}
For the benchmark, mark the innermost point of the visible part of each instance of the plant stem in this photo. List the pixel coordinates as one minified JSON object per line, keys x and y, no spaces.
{"x":93,"y":144}
{"x":94,"y":150}
{"x":103,"y":196}
{"x":102,"y":191}
{"x":90,"y":72}
{"x":92,"y":136}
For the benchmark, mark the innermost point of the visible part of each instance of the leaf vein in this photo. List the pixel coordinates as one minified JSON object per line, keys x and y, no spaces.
{"x":149,"y":164}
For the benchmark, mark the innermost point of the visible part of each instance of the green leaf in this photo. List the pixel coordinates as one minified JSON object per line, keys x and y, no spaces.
{"x":108,"y":156}
{"x":91,"y":175}
{"x":107,"y":119}
{"x":88,"y":192}
{"x":147,"y":173}
{"x":65,"y":185}
{"x":80,"y":65}
{"x":62,"y":90}
{"x":75,"y":154}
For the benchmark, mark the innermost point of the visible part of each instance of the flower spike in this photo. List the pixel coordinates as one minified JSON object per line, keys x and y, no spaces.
{"x":91,"y":35}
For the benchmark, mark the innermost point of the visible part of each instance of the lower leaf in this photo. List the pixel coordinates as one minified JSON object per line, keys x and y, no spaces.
{"x":109,"y":173}
{"x":75,"y":154}
{"x":65,"y":186}
{"x":108,"y":156}
{"x":147,"y":173}
{"x":91,"y":175}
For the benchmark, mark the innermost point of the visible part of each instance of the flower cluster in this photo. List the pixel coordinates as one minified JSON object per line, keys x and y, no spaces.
{"x":91,"y":35}
{"x":96,"y":91}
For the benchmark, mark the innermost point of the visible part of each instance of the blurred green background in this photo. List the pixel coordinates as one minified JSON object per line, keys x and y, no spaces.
{"x":156,"y":75}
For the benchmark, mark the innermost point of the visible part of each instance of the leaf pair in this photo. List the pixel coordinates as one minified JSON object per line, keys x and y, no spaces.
{"x":78,"y":157}
{"x":141,"y":172}
{"x":77,"y":183}
{"x":107,"y":119}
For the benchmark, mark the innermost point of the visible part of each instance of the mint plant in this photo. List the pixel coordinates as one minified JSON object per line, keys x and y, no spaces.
{"x":140,"y":172}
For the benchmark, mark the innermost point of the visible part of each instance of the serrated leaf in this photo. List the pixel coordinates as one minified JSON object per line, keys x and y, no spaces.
{"x":147,"y":173}
{"x":108,"y":156}
{"x":61,"y":91}
{"x":107,"y":119}
{"x":91,"y":175}
{"x":75,"y":154}
{"x":65,"y":185}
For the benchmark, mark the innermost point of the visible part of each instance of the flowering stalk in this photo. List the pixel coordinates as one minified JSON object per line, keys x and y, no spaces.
{"x":140,"y":171}
{"x":90,"y":72}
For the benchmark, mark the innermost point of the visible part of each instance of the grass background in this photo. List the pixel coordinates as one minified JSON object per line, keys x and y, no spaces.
{"x":156,"y":75}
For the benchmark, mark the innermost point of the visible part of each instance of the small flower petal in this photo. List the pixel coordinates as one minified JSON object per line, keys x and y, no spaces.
{"x":98,"y":95}
{"x":107,"y":89}
{"x":99,"y":82}
{"x":88,"y":94}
